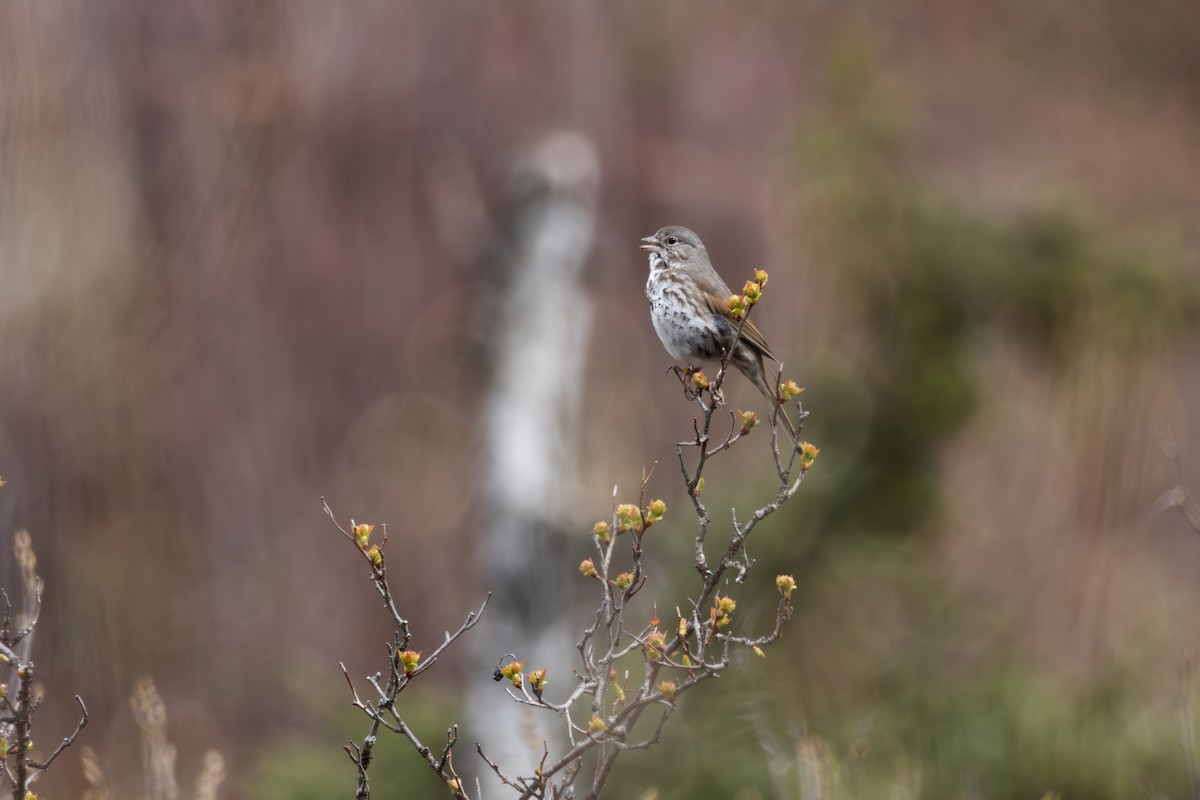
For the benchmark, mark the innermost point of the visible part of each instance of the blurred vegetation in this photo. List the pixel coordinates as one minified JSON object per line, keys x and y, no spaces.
{"x":296,"y":765}
{"x":245,"y":252}
{"x":299,"y":766}
{"x":1002,"y":733}
{"x":887,"y":690}
{"x":932,"y":278}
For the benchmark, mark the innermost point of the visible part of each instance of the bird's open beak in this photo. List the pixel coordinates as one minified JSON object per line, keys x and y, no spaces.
{"x":650,"y":245}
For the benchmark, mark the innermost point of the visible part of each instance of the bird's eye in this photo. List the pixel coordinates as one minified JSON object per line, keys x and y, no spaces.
{"x":672,"y":240}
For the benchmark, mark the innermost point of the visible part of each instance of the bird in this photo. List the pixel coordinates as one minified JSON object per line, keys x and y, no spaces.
{"x":690,"y":312}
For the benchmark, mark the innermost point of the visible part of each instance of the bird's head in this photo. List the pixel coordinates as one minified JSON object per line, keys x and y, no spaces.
{"x":672,"y":247}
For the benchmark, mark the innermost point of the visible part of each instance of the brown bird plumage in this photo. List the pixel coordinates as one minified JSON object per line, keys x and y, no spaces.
{"x":688,"y":306}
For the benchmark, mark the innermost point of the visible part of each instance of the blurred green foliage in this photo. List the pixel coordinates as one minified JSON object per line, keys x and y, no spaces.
{"x":999,"y":734}
{"x":931,"y":277}
{"x":883,"y":688}
{"x":304,"y":766}
{"x":1058,"y":285}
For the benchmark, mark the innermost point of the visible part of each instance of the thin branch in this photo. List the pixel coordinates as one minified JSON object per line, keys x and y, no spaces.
{"x":33,"y":610}
{"x":66,"y":742}
{"x":398,"y":678}
{"x":520,"y":784}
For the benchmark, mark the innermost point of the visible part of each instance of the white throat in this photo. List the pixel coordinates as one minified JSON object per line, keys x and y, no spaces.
{"x":657,"y":263}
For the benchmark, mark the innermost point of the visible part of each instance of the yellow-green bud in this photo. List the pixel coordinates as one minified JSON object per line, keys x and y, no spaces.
{"x":587,"y":568}
{"x":748,"y":419}
{"x":736,"y":305}
{"x":597,"y":725}
{"x":362,"y":535}
{"x":655,"y":512}
{"x":655,"y":642}
{"x":376,"y":556}
{"x":722,"y":609}
{"x":760,"y":277}
{"x":408,"y":660}
{"x":752,"y":292}
{"x":629,"y":518}
{"x":537,"y":681}
{"x":624,"y":580}
{"x":700,"y":380}
{"x":667,"y":689}
{"x":785,"y":584}
{"x":512,"y":671}
{"x":789,"y":390}
{"x":808,"y":454}
{"x":618,"y":689}
{"x":602,"y":531}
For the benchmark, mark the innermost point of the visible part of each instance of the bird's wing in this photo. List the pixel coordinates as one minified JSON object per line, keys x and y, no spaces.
{"x":750,"y":332}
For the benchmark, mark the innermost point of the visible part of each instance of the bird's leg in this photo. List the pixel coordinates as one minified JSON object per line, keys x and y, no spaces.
{"x":690,"y":390}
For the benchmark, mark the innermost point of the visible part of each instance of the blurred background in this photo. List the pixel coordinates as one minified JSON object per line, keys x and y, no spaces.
{"x":250,"y":256}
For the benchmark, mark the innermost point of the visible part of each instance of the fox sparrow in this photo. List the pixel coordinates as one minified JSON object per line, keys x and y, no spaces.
{"x":688,"y":308}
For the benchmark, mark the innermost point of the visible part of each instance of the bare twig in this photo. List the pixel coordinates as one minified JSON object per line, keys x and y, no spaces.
{"x":18,"y":703}
{"x":403,"y":666}
{"x":67,"y":741}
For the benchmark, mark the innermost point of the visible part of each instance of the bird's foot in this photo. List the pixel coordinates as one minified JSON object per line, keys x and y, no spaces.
{"x":690,"y":390}
{"x":693,"y":388}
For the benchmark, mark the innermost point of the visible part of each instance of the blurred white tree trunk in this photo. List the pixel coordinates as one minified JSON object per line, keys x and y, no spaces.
{"x":530,"y":437}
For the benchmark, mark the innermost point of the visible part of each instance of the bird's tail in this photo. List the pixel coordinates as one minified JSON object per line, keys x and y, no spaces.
{"x":751,"y":364}
{"x":778,"y":404}
{"x":787,"y":421}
